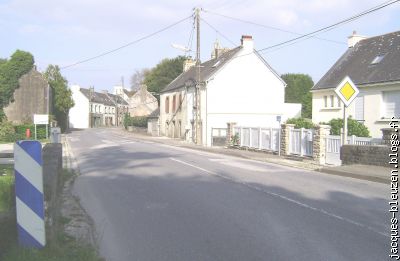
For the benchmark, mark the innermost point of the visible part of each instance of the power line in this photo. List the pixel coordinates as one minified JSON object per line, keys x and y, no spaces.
{"x":218,"y":32}
{"x":267,"y":26}
{"x":128,"y":44}
{"x":333,"y":26}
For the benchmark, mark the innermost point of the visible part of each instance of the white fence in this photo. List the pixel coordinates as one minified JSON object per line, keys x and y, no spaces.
{"x":301,"y":142}
{"x":258,"y":138}
{"x":334,"y":142}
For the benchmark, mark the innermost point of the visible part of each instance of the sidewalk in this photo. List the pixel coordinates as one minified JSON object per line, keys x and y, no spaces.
{"x":363,"y":172}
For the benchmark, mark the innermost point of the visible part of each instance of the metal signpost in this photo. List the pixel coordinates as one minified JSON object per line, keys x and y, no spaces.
{"x":29,"y":193}
{"x":347,"y":91}
{"x":41,"y":119}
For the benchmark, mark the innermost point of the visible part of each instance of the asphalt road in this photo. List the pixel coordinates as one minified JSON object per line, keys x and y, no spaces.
{"x":151,"y":201}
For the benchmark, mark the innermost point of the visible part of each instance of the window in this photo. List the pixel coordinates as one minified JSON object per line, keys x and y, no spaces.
{"x":332,"y":98}
{"x":391,"y":104}
{"x":167,"y":105}
{"x":174,"y":103}
{"x":325,"y":101}
{"x":359,"y":108}
{"x":378,"y":59}
{"x":339,"y":103}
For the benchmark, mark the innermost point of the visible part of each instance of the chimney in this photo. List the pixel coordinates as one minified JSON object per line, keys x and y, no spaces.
{"x":247,"y":42}
{"x":188,"y":63}
{"x":353,"y":39}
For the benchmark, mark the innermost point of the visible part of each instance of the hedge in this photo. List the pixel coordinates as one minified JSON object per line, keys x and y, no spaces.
{"x":10,"y":133}
{"x":139,"y":121}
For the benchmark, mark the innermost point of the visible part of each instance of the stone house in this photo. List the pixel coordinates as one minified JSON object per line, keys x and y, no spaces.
{"x":32,"y":97}
{"x":237,"y":85}
{"x":373,"y":65}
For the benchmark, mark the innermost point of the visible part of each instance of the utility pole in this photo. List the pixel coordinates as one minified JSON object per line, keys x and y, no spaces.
{"x":198,"y":130}
{"x":91,"y":90}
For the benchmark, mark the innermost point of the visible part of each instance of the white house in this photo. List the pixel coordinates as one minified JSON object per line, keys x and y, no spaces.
{"x":237,"y":85}
{"x":94,"y":109}
{"x":373,"y":65}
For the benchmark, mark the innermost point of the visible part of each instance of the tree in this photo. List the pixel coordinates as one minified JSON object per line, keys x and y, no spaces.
{"x":353,"y":127}
{"x":137,"y":78}
{"x":62,"y":96}
{"x":164,"y":73}
{"x":298,"y":91}
{"x":11,"y":70}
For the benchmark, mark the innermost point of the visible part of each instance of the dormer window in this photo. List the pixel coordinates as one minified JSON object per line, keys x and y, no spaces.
{"x":378,"y":59}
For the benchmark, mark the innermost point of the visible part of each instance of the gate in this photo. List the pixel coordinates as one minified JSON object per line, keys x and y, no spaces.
{"x":332,"y":153}
{"x":218,"y":136}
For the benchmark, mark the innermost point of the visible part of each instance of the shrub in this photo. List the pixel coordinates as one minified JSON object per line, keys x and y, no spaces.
{"x":7,"y":132}
{"x":301,"y":123}
{"x":10,"y":133}
{"x":138,"y":121}
{"x":353,"y":127}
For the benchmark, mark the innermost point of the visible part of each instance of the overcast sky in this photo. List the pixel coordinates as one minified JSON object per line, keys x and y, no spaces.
{"x":64,"y":32}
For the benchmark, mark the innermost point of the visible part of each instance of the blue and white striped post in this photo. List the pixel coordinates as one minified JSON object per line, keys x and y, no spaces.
{"x":29,"y":193}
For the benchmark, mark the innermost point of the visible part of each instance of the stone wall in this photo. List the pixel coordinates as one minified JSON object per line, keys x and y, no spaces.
{"x":32,"y":97}
{"x":365,"y":155}
{"x":285,"y":132}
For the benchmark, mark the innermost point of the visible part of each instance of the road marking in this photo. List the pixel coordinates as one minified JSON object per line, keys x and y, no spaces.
{"x":193,"y":166}
{"x":322,"y":211}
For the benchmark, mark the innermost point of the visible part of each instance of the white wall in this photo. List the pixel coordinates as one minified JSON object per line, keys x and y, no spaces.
{"x":79,"y":114}
{"x":247,"y":92}
{"x":373,"y":107}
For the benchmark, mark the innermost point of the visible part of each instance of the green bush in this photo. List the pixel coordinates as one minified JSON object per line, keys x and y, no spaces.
{"x":7,"y":131}
{"x":301,"y":123}
{"x":10,"y":133}
{"x":138,"y":121}
{"x":353,"y":127}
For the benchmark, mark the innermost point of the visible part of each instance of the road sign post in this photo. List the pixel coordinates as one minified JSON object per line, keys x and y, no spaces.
{"x":347,"y":91}
{"x":29,"y":193}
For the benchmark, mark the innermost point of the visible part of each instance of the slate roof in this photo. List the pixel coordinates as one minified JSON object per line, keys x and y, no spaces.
{"x":102,"y":98}
{"x":356,"y":63}
{"x":129,"y":93}
{"x":207,"y":69}
{"x":155,"y":114}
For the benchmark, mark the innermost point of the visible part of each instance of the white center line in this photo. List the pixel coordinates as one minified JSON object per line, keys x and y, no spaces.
{"x":322,"y":211}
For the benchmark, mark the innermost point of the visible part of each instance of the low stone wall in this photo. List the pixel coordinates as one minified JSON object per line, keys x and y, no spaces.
{"x":142,"y":130}
{"x":366,"y":155}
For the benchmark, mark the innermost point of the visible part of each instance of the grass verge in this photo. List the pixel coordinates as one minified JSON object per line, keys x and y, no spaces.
{"x":60,"y":247}
{"x":6,"y":188}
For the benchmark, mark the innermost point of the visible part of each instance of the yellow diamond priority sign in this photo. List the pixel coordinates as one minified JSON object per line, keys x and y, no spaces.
{"x":347,"y":91}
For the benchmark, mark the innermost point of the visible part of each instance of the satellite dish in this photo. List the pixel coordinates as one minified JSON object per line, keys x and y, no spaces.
{"x":181,"y":47}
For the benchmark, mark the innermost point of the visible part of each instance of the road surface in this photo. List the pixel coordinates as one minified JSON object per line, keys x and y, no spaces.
{"x":151,"y":201}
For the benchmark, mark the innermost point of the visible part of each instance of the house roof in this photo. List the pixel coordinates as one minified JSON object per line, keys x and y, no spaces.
{"x":129,"y":93}
{"x":103,"y":98}
{"x":208,"y":68}
{"x":155,"y":114}
{"x":373,"y":60}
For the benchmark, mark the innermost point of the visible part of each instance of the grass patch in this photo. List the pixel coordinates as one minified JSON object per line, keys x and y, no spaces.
{"x":59,"y":247}
{"x":6,"y":187}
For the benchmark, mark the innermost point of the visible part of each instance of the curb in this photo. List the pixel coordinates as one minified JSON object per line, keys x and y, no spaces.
{"x":355,"y":176}
{"x":230,"y":152}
